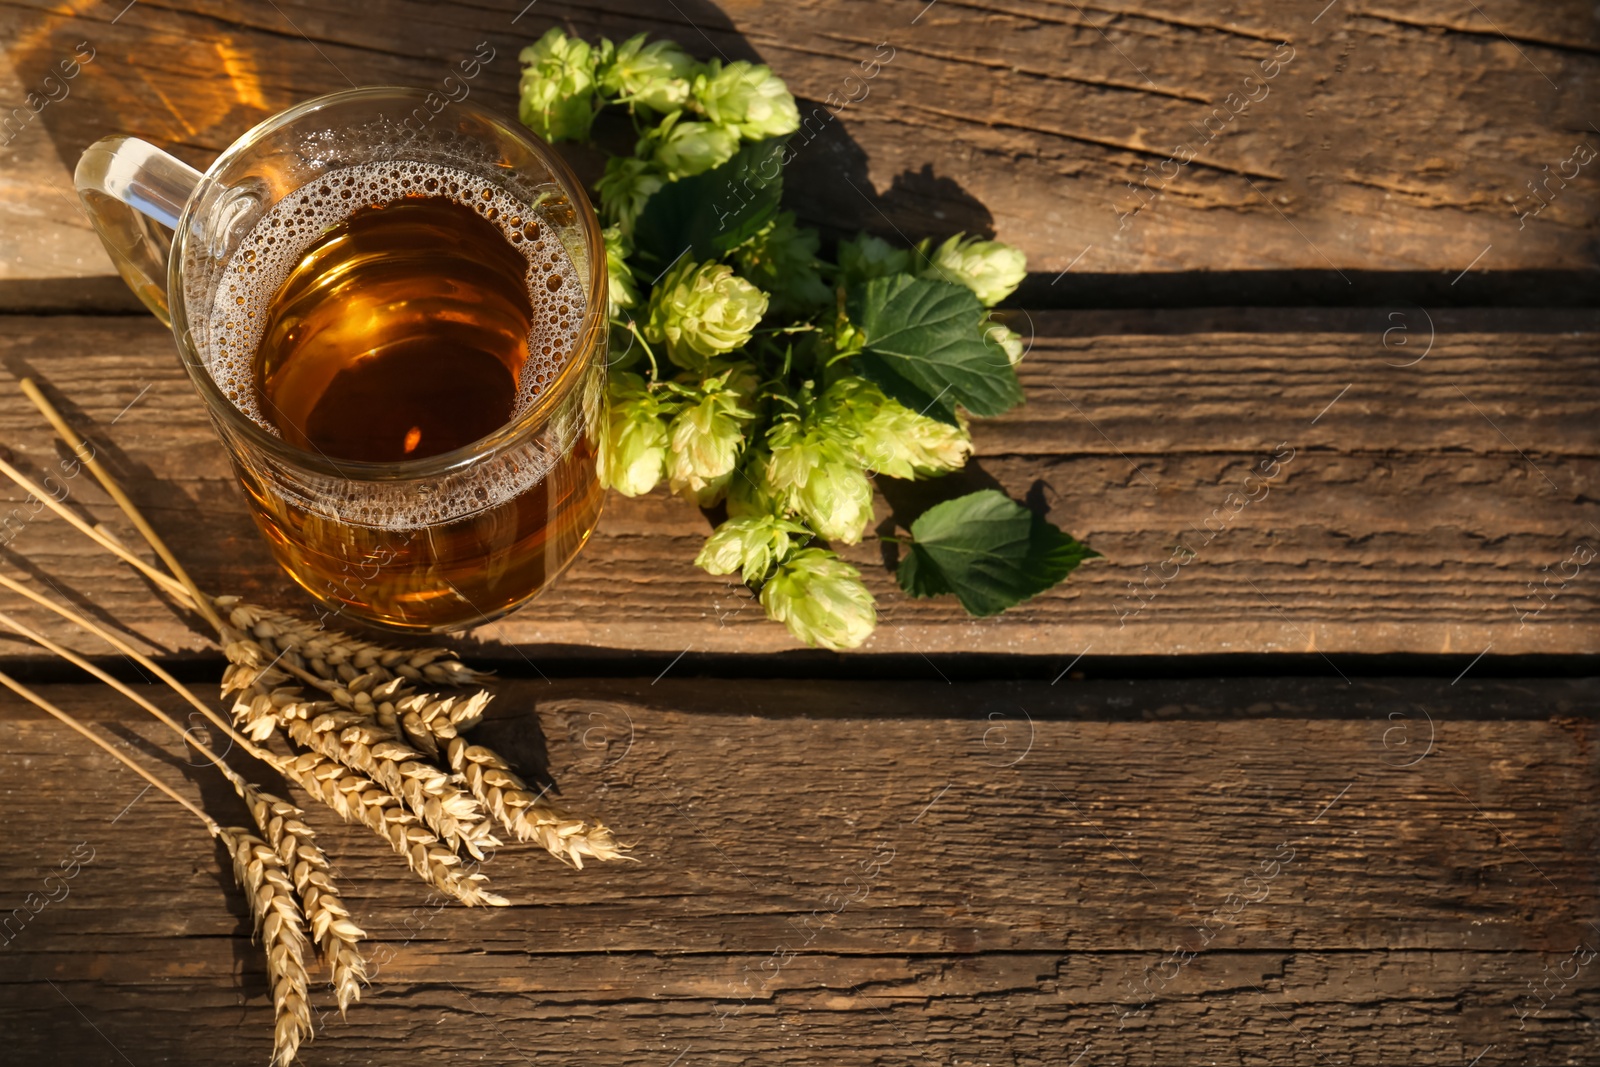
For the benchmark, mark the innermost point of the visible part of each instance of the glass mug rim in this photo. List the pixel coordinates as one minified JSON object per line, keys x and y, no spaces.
{"x":595,"y":315}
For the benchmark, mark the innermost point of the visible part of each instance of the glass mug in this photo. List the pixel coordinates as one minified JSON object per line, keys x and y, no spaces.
{"x":430,"y":544}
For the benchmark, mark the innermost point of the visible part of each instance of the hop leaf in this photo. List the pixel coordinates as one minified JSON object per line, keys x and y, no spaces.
{"x":782,"y":259}
{"x":815,"y":466}
{"x":625,"y":188}
{"x":750,"y":544}
{"x":623,"y":290}
{"x":892,"y":439}
{"x":705,"y":440}
{"x":746,"y":98}
{"x":633,"y":437}
{"x":654,"y":75}
{"x":558,"y":87}
{"x":682,"y":149}
{"x":715,"y":212}
{"x":989,"y":268}
{"x":703,"y":310}
{"x":925,"y":347}
{"x":988,"y":550}
{"x":821,"y":599}
{"x":869,"y":257}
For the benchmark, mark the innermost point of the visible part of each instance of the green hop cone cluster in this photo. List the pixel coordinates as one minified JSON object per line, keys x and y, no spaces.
{"x":681,"y":147}
{"x":558,"y":87}
{"x":747,"y":98}
{"x":759,"y":377}
{"x":821,"y":599}
{"x":706,"y":437}
{"x":701,"y":311}
{"x":633,"y":439}
{"x":654,"y":76}
{"x":819,"y":477}
{"x":691,"y":116}
{"x":751,"y":545}
{"x":889,"y":438}
{"x":990,"y":269}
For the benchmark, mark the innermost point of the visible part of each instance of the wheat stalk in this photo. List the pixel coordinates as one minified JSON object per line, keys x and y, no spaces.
{"x":372,"y":681}
{"x":83,"y":452}
{"x":281,"y":928}
{"x":565,"y":835}
{"x":110,"y":544}
{"x":40,"y":702}
{"x":283,"y":826}
{"x":372,"y":685}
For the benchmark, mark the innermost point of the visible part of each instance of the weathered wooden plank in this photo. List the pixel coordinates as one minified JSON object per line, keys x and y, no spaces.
{"x":1043,"y":854}
{"x":1386,"y":138}
{"x":1413,"y":511}
{"x":49,"y":255}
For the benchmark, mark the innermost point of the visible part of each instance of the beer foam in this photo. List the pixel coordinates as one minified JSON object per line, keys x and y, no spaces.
{"x":272,"y":248}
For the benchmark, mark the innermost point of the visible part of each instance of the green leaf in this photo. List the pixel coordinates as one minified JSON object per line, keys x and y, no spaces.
{"x":988,"y":550}
{"x":925,"y":347}
{"x":712,"y":213}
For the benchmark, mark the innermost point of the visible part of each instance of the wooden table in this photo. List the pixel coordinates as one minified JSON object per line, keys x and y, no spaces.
{"x":1377,"y":683}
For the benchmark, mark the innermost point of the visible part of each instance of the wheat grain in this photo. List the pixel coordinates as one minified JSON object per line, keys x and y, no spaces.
{"x":359,"y":799}
{"x":281,"y":927}
{"x":428,"y":719}
{"x":531,"y":816}
{"x":336,"y":934}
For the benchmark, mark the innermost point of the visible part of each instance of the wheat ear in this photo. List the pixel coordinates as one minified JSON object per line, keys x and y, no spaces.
{"x":387,"y":828}
{"x":353,"y":672}
{"x":368,"y":745}
{"x":531,"y":817}
{"x":336,"y":934}
{"x":359,"y":799}
{"x":374,"y":681}
{"x":362,"y":745}
{"x":281,"y":927}
{"x":451,"y":810}
{"x":342,"y":658}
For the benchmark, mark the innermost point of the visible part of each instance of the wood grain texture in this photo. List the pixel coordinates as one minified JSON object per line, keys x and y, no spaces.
{"x":1390,"y":137}
{"x":49,"y":254}
{"x":1037,"y":856}
{"x":1414,"y":508}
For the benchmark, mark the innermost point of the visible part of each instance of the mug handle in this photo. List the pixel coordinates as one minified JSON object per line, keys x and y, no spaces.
{"x":134,"y":194}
